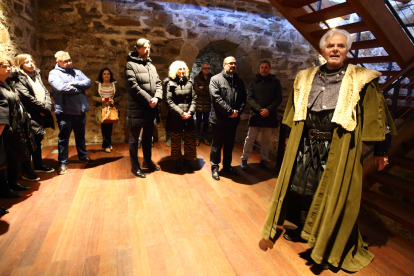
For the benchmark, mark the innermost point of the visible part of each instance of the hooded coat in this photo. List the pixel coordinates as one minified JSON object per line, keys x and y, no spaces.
{"x":142,"y":83}
{"x":330,"y":226}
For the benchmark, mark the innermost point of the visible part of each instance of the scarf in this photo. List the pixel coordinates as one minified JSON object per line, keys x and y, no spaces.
{"x":37,"y":87}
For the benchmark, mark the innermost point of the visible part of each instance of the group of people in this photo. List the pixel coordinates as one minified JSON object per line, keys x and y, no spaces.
{"x":332,"y":109}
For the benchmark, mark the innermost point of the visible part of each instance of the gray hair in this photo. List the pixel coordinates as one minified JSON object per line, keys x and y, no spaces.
{"x":141,"y":42}
{"x":327,"y":37}
{"x":60,"y":54}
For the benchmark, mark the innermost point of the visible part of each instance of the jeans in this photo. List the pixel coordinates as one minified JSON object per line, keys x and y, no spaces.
{"x":223,"y":137}
{"x":202,"y":124}
{"x":106,"y":135}
{"x":251,"y":137}
{"x":66,"y":124}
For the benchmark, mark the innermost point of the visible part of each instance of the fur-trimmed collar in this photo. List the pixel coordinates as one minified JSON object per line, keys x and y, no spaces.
{"x":345,"y":112}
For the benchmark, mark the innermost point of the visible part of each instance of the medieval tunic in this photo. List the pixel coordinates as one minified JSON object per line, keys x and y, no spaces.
{"x":360,"y":115}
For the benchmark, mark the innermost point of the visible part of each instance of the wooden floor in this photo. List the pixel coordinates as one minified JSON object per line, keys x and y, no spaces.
{"x":102,"y":220}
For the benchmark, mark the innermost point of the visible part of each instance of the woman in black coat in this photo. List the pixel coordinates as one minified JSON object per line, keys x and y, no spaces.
{"x":36,"y":100}
{"x":181,"y":99}
{"x":15,"y":130}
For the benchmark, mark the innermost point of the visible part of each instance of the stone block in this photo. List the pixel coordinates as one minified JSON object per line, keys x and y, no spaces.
{"x":155,"y":6}
{"x":261,"y":41}
{"x":54,"y":45}
{"x":108,"y":7}
{"x":284,"y":46}
{"x":18,"y":32}
{"x":123,"y":21}
{"x":18,"y":8}
{"x":266,"y":53}
{"x":250,"y":27}
{"x":174,"y":30}
{"x":191,"y":34}
{"x":192,"y":5}
{"x":134,"y":32}
{"x":274,"y":27}
{"x":159,"y":19}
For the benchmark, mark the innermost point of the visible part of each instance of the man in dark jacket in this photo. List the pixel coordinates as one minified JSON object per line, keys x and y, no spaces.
{"x":228,"y":99}
{"x":144,"y":91}
{"x":264,"y":96}
{"x":201,"y":83}
{"x":68,"y":86}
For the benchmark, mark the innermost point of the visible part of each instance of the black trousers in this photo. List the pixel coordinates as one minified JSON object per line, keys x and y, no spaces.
{"x":106,"y":135}
{"x":10,"y":177}
{"x":296,"y":204}
{"x":36,"y":156}
{"x":145,"y":144}
{"x":223,"y":137}
{"x":202,"y":124}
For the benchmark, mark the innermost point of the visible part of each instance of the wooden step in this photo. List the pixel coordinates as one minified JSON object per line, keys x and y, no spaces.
{"x":389,"y":73}
{"x":403,"y":162}
{"x":366,"y":44}
{"x":380,"y":59}
{"x":297,"y":3}
{"x":388,"y":207}
{"x":394,"y":182}
{"x":409,"y":145}
{"x":401,"y":97}
{"x":326,"y":14}
{"x":407,"y":86}
{"x":350,"y":28}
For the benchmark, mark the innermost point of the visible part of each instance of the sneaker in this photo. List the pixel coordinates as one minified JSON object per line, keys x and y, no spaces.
{"x":30,"y":176}
{"x":62,"y":170}
{"x":243,"y":165}
{"x":43,"y":169}
{"x":168,"y":143}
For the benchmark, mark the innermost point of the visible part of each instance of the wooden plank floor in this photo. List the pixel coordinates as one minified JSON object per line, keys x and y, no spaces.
{"x":102,"y":220}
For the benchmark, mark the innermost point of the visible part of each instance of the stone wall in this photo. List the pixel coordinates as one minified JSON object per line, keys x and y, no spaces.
{"x":101,"y":33}
{"x":18,"y":28}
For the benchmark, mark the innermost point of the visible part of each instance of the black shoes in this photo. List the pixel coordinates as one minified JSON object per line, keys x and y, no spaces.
{"x":87,"y":161}
{"x":3,"y":211}
{"x":264,"y":165}
{"x":243,"y":165}
{"x":138,"y":172}
{"x":215,"y":174}
{"x":43,"y":169}
{"x":62,"y":170}
{"x":178,"y":165}
{"x":19,"y":187}
{"x":189,"y":164}
{"x":30,"y":176}
{"x":293,"y":235}
{"x":10,"y":194}
{"x":151,"y":166}
{"x":231,"y":170}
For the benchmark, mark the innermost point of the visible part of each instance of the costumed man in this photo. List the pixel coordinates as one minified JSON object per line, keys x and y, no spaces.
{"x":332,"y":110}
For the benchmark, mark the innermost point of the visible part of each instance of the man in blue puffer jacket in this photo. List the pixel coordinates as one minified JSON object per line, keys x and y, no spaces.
{"x":68,"y":86}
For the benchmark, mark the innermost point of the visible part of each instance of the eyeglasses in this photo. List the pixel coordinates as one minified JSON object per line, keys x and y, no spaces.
{"x":66,"y":61}
{"x":206,"y":68}
{"x":231,"y":63}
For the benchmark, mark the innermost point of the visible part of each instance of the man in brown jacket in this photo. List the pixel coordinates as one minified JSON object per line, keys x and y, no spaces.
{"x":201,"y":83}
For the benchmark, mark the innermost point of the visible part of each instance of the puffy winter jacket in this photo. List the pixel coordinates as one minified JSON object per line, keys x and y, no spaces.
{"x":142,"y":84}
{"x":181,"y":98}
{"x":68,"y":86}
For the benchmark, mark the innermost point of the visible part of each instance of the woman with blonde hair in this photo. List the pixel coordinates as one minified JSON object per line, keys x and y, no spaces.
{"x":181,"y":100}
{"x":36,"y":100}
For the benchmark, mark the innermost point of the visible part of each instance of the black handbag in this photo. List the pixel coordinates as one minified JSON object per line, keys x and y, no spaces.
{"x":3,"y":156}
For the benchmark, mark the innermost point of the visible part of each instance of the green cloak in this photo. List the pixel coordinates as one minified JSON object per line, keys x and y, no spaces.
{"x":330,"y":227}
